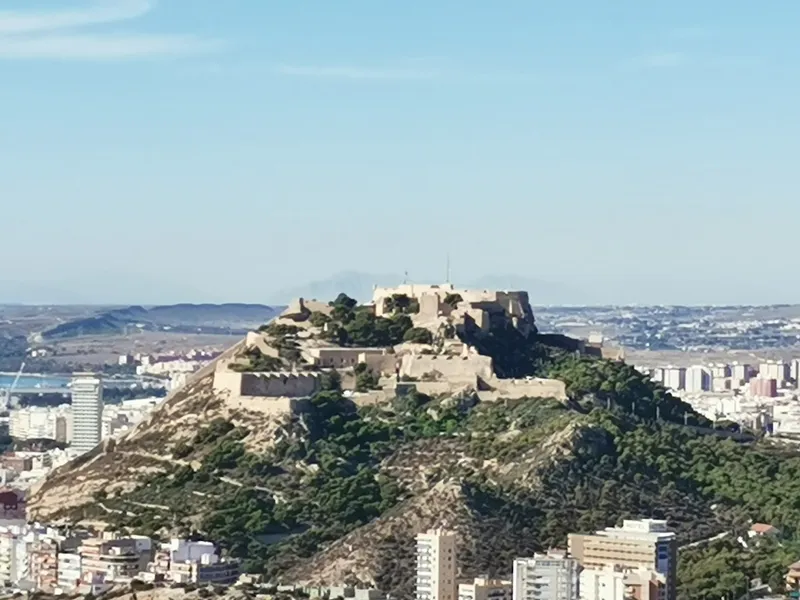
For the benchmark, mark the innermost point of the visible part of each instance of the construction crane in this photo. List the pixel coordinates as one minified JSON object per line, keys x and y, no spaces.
{"x":4,"y":403}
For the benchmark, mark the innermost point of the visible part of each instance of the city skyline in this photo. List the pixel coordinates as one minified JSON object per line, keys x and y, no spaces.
{"x":160,"y":150}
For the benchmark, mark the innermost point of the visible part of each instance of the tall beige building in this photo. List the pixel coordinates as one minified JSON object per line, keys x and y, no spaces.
{"x":436,"y":565}
{"x":645,"y":544}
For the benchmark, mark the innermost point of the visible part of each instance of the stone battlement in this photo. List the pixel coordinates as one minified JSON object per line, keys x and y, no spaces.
{"x":437,"y":302}
{"x":277,"y":384}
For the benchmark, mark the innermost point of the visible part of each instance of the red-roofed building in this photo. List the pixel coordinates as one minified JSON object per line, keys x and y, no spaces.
{"x":763,"y":529}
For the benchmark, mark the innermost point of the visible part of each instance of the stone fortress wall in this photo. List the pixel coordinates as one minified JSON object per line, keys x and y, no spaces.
{"x":477,"y":305}
{"x":269,"y":393}
{"x":458,"y":369}
{"x":450,"y":368}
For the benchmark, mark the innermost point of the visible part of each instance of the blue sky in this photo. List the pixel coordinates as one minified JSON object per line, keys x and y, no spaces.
{"x":202,"y":150}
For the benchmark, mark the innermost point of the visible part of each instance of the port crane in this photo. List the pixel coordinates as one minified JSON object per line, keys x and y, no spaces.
{"x":5,"y":399}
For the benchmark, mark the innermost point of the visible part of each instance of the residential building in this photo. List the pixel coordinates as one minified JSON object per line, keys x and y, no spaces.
{"x":741,"y":373}
{"x":69,"y":571}
{"x":794,"y":370}
{"x":337,"y":591}
{"x":104,"y":561}
{"x":793,"y":576}
{"x":436,"y":565}
{"x":551,"y":576}
{"x":87,"y":411}
{"x":63,"y":430}
{"x":698,"y":379}
{"x":763,"y":388}
{"x":675,"y":378}
{"x":602,"y":584}
{"x":763,"y":530}
{"x":185,"y":561}
{"x":720,"y":371}
{"x":209,"y":569}
{"x":617,"y":583}
{"x":658,"y":375}
{"x":774,"y":369}
{"x":37,"y":422}
{"x":43,"y":553}
{"x":644,"y":544}
{"x":483,"y":588}
{"x":13,"y":557}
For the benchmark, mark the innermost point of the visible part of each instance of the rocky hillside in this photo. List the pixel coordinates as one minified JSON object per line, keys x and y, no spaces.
{"x":336,"y":494}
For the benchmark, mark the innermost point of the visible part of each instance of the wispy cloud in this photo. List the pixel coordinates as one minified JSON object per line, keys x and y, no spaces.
{"x":346,"y":72}
{"x":14,"y":22}
{"x":698,"y":61}
{"x":59,"y":34}
{"x":99,"y":48}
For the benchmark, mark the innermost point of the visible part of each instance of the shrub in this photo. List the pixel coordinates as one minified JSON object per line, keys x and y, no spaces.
{"x":453,"y":299}
{"x":318,"y":319}
{"x":182,"y":450}
{"x":418,"y":335}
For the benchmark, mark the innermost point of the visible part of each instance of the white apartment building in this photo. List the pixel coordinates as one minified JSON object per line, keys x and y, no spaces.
{"x":602,"y":584}
{"x":188,"y":551}
{"x":657,"y":375}
{"x":483,"y":588}
{"x":740,"y":374}
{"x":69,"y":571}
{"x":774,"y":369}
{"x":208,"y":569}
{"x":168,"y":367}
{"x":37,"y":422}
{"x":436,"y":565}
{"x":697,"y":379}
{"x":615,"y":583}
{"x":13,"y":557}
{"x":794,"y":370}
{"x":87,"y":411}
{"x":546,"y":577}
{"x":675,"y":378}
{"x":720,"y":371}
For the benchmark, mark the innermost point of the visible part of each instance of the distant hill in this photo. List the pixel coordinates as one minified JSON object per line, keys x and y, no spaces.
{"x":355,"y":284}
{"x":181,"y":318}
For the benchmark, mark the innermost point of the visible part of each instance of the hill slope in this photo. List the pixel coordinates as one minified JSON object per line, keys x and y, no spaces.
{"x":182,"y":318}
{"x":337,"y":493}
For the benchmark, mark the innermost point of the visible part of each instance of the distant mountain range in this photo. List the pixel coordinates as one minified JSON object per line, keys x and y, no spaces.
{"x":359,"y":285}
{"x":239,"y":318}
{"x":233,"y":319}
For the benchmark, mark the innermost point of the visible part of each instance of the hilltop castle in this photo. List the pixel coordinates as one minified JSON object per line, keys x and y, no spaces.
{"x":447,"y":365}
{"x":438,"y":303}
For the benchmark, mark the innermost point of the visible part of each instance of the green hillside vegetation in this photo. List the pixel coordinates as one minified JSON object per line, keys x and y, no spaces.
{"x":351,"y":325}
{"x":621,"y":448}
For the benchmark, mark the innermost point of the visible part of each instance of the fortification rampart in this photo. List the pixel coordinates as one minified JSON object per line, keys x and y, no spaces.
{"x":437,"y":302}
{"x":524,"y":388}
{"x":457,"y":369}
{"x":270,"y":385}
{"x":340,"y":358}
